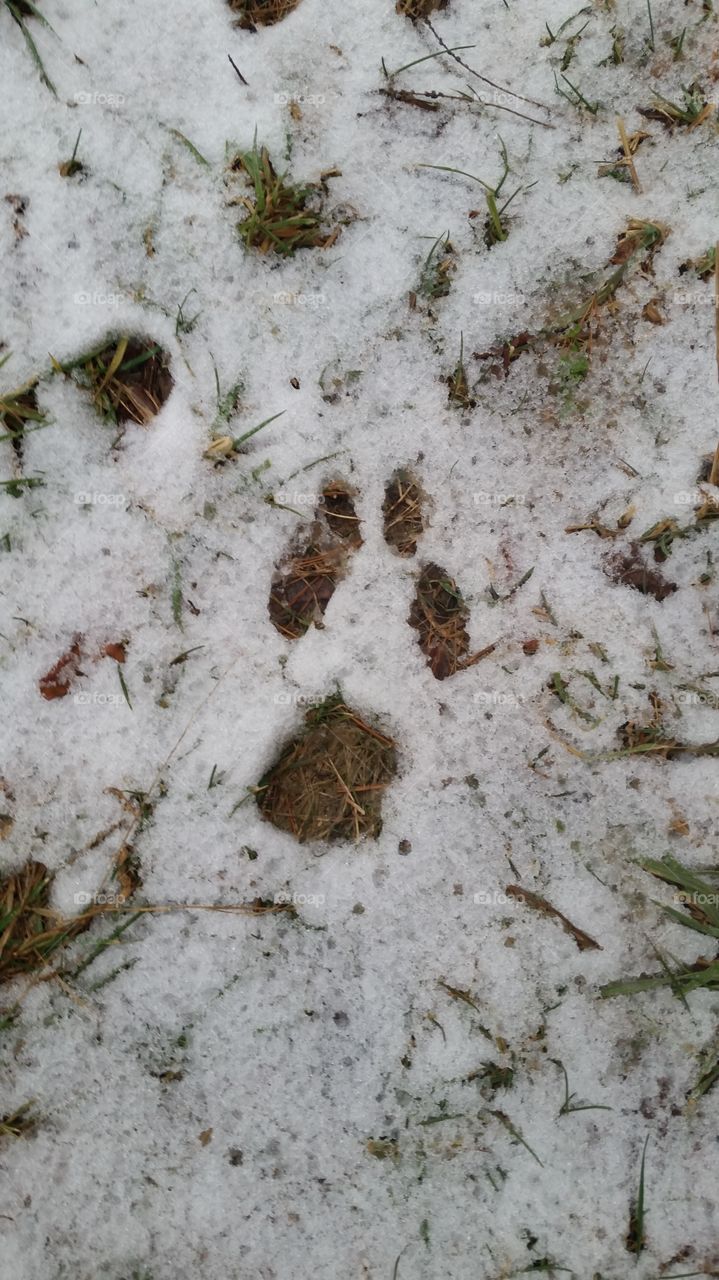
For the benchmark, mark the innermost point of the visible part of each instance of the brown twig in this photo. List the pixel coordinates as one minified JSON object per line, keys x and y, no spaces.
{"x":466,"y":67}
{"x":582,"y":939}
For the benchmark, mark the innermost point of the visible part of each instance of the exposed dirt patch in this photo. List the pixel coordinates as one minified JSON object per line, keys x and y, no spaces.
{"x":630,"y":570}
{"x":403,"y":511}
{"x":129,"y":379}
{"x":251,"y":14}
{"x":329,"y":782}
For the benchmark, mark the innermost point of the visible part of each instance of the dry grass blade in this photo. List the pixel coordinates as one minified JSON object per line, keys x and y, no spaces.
{"x":329,"y":782}
{"x":30,"y":930}
{"x":252,"y":14}
{"x":18,"y":1123}
{"x":18,"y":410}
{"x":459,"y":393}
{"x":629,"y":570}
{"x":628,"y":154}
{"x":403,"y":514}
{"x":537,"y":903}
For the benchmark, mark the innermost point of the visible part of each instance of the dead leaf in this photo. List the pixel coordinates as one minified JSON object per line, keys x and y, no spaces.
{"x":57,"y":681}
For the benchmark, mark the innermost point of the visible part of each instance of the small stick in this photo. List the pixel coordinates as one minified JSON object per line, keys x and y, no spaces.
{"x":477,"y":657}
{"x":582,"y":939}
{"x":472,"y":71}
{"x":237,"y":69}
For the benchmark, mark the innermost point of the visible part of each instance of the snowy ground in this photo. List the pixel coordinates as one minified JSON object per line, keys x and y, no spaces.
{"x":214,"y":1093}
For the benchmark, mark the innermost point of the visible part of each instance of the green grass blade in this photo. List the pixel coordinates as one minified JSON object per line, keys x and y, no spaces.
{"x":238,"y":440}
{"x":34,"y":52}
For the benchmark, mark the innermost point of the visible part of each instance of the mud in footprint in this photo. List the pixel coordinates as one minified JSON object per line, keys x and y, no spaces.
{"x":439,"y":615}
{"x":328,"y":783}
{"x":403,"y":512}
{"x":305,"y":580}
{"x":128,"y":378}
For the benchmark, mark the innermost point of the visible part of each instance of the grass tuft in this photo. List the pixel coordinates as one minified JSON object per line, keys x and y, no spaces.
{"x":282,"y":216}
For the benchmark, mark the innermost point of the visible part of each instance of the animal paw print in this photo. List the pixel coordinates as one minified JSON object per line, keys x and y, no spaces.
{"x":317,"y":561}
{"x":328,"y":782}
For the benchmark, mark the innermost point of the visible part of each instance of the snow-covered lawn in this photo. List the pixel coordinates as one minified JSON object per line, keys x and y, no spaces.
{"x":391,"y":1059}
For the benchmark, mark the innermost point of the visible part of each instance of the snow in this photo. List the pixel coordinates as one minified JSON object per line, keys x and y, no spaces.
{"x":297,"y":1041}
